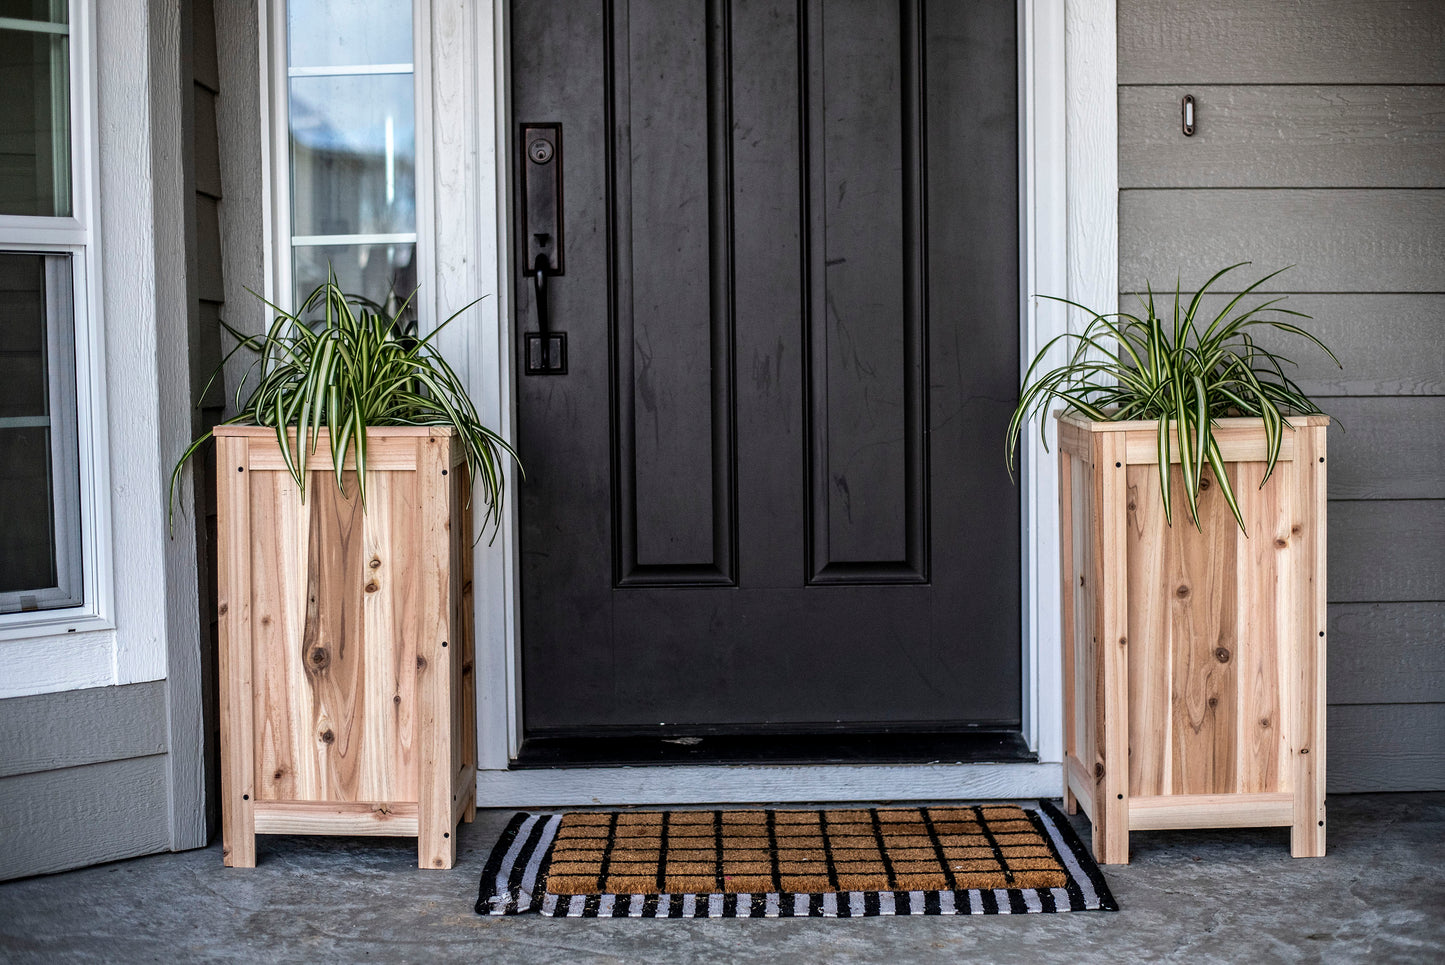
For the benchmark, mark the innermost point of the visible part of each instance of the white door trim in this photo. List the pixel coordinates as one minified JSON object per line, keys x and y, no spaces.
{"x":1068,"y":141}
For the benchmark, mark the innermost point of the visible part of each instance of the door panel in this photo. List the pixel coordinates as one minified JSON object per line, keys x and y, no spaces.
{"x":769,"y":491}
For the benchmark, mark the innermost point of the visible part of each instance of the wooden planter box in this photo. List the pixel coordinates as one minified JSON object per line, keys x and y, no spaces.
{"x":347,"y":698}
{"x":1194,"y":663}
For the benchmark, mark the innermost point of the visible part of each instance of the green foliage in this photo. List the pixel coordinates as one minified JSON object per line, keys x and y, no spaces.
{"x":1185,"y":372}
{"x":349,"y":368}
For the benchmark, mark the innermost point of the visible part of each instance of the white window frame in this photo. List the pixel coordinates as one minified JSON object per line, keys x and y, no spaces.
{"x":276,"y":171}
{"x":78,"y":237}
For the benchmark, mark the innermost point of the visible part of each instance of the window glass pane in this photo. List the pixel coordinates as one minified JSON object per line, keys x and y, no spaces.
{"x":329,"y":33}
{"x":353,"y":155}
{"x":27,"y":554}
{"x":39,"y":477}
{"x":34,"y":112}
{"x":374,"y":272}
{"x":46,"y":11}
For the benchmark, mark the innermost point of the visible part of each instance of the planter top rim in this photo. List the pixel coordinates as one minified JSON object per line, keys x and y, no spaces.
{"x":270,"y":433}
{"x":1135,"y":425}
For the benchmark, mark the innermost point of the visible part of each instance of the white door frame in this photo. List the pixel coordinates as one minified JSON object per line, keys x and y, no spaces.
{"x":1068,"y":166}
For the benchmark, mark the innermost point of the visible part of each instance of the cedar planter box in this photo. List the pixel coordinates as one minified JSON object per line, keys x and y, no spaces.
{"x":1194,"y":662}
{"x":347,"y":698}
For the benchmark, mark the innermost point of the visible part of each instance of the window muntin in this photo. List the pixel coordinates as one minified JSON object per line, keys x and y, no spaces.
{"x":35,"y":161}
{"x":40,"y":555}
{"x":351,"y":124}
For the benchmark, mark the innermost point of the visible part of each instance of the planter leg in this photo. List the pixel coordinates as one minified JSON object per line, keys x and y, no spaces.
{"x":436,"y":846}
{"x":1111,"y":840}
{"x":238,"y":837}
{"x":1071,"y":803}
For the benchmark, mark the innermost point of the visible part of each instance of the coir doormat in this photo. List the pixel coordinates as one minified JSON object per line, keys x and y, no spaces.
{"x":846,"y":863}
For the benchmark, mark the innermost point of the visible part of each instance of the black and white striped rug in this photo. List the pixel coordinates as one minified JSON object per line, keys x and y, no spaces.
{"x":1024,"y":847}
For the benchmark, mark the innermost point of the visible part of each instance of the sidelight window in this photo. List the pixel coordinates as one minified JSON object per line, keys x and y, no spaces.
{"x":45,"y":324}
{"x":350,"y":131}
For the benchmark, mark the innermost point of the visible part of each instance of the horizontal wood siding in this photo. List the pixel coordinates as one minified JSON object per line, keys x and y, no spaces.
{"x":1385,"y":448}
{"x":1319,"y":144}
{"x":1281,"y":42}
{"x":82,"y":778}
{"x":1386,"y":652}
{"x":48,"y":732}
{"x":1305,"y":136}
{"x":1339,"y":240}
{"x":1386,"y":747}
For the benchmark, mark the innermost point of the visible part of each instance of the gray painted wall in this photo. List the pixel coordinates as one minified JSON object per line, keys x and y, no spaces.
{"x":82,"y":778}
{"x":1319,"y":144}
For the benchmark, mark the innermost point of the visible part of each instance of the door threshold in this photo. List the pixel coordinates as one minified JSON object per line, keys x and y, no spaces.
{"x":968,"y":747}
{"x":713,"y":784}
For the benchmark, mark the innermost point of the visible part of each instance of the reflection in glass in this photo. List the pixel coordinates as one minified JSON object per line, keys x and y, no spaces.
{"x":39,"y":514}
{"x":34,"y":114}
{"x":332,"y":33}
{"x":353,"y":155}
{"x":375,"y":272}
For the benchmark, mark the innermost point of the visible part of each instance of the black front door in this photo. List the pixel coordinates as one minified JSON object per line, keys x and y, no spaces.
{"x":768,"y":495}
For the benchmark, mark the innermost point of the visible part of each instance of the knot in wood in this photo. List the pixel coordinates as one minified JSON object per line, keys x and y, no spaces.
{"x":1182,"y":592}
{"x":1203,"y":484}
{"x":1123,"y":641}
{"x":1264,"y":722}
{"x":1214,"y":701}
{"x":266,"y":621}
{"x":1296,"y":529}
{"x":327,"y":737}
{"x":396,"y":699}
{"x":1098,"y":772}
{"x":1280,"y":542}
{"x":221,"y":610}
{"x":375,"y":562}
{"x":278,"y":775}
{"x":1221,"y":654}
{"x":1304,"y":750}
{"x":420,"y":662}
{"x":318,"y":658}
{"x":371,"y":586}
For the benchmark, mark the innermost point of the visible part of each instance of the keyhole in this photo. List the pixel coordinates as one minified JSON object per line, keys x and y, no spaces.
{"x":540,"y":151}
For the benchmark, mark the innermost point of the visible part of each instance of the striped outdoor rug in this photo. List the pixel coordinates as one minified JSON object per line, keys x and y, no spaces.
{"x":848,"y":863}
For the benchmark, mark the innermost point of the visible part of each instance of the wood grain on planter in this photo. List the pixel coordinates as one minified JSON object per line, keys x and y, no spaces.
{"x":1194,"y":687}
{"x":346,"y":650}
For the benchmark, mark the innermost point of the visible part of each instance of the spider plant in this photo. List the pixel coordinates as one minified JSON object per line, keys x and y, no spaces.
{"x":1185,"y":370}
{"x":351,"y":366}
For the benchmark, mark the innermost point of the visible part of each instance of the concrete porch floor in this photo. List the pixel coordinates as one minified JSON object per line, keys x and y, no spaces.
{"x":1196,"y":896}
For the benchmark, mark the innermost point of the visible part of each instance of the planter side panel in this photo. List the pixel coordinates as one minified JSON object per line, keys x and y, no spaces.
{"x":1083,"y":699}
{"x":1204,"y":611}
{"x":334,"y":601}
